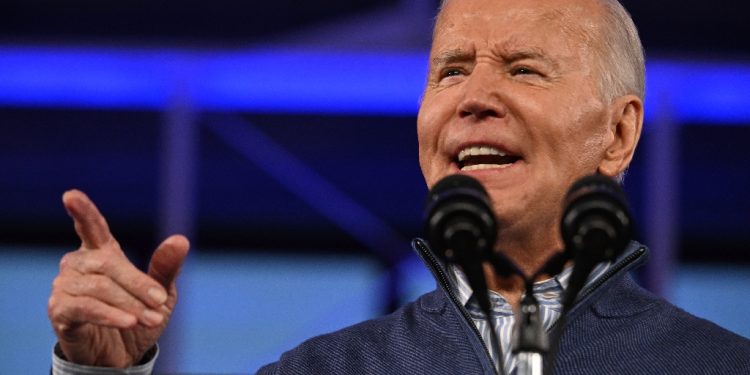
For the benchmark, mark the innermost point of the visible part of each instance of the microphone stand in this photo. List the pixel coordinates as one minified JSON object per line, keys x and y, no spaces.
{"x":595,"y":227}
{"x":530,"y":341}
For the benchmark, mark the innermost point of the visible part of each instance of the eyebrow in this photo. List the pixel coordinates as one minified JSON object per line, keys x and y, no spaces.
{"x":517,"y":54}
{"x":507,"y":53}
{"x":513,"y":54}
{"x":523,"y":54}
{"x":453,"y":56}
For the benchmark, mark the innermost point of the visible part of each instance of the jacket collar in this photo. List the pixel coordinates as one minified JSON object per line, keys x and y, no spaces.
{"x":634,"y":256}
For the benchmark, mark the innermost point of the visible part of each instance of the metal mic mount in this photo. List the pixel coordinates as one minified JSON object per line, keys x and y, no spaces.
{"x":530,"y":341}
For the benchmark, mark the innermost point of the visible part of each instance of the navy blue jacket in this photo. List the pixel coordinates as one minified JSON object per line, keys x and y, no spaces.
{"x":616,"y":327}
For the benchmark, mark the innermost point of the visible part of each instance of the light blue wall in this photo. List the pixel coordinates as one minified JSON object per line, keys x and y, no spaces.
{"x":26,"y":336}
{"x":243,"y":311}
{"x":720,"y":293}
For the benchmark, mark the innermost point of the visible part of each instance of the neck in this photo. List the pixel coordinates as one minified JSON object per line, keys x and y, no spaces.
{"x":511,"y":287}
{"x":529,"y":256}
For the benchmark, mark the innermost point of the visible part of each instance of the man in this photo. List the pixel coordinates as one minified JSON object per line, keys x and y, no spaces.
{"x":524,"y":95}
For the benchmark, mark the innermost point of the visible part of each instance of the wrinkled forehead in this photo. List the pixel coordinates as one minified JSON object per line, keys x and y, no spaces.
{"x":576,"y":19}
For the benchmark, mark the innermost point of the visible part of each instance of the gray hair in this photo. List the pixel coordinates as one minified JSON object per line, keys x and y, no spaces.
{"x":623,"y":61}
{"x":621,"y":57}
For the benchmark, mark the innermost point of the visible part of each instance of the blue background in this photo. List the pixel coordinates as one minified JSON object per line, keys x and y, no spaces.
{"x":283,"y":144}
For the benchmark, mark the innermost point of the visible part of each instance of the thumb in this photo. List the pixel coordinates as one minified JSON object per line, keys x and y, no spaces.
{"x":168,"y":259}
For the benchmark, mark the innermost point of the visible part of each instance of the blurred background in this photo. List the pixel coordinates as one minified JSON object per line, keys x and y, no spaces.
{"x":280,"y":137}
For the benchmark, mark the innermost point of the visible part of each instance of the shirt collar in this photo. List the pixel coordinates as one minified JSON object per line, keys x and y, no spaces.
{"x":549,"y":289}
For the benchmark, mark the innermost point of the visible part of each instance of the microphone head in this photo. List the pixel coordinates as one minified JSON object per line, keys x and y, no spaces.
{"x":596,"y":223}
{"x":459,"y":221}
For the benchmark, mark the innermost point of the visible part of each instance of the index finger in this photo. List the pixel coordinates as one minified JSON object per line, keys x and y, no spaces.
{"x":90,"y":225}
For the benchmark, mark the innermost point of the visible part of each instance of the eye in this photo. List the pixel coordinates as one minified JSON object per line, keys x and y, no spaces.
{"x":450,"y":72}
{"x":522,"y":70}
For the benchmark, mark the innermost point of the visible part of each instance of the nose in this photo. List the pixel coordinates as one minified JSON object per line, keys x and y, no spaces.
{"x":482,"y":97}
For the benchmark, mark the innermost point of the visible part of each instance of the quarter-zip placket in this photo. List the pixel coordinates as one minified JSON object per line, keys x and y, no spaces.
{"x":556,"y":332}
{"x":442,"y":279}
{"x":616,"y":268}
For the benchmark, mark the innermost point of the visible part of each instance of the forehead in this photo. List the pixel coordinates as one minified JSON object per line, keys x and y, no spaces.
{"x":517,"y":21}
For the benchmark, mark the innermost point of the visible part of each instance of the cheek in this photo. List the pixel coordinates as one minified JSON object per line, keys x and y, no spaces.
{"x":427,"y":138}
{"x":589,"y":144}
{"x":574,"y":147}
{"x":429,"y":119}
{"x":597,"y":134}
{"x":596,"y":144}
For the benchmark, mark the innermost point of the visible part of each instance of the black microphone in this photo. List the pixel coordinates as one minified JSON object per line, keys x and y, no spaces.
{"x":461,"y":227}
{"x":460,"y":224}
{"x":596,"y":227}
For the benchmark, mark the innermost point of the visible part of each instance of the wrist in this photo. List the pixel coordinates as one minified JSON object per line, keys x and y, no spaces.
{"x":61,"y":365}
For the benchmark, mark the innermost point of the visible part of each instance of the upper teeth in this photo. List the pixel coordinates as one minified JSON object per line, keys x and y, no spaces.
{"x":477,"y":150}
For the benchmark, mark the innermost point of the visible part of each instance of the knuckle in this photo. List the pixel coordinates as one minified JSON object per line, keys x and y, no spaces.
{"x":97,"y":285}
{"x":68,"y":259}
{"x":51,"y":305}
{"x":55,"y":309}
{"x":76,"y":309}
{"x":113,"y":244}
{"x":137,"y":283}
{"x":93,"y":264}
{"x":57,"y":283}
{"x":74,"y":286}
{"x":129,"y":304}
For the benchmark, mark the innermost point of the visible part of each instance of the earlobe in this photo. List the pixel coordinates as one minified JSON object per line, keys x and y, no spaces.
{"x":626,"y":125}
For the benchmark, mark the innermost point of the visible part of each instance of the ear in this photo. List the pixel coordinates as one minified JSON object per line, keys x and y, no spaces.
{"x":626,"y":124}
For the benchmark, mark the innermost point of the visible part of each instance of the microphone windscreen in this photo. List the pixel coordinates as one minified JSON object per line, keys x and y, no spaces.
{"x":596,"y":210}
{"x":458,"y":208}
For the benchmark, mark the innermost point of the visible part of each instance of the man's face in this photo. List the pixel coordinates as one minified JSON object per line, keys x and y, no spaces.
{"x":512,"y":99}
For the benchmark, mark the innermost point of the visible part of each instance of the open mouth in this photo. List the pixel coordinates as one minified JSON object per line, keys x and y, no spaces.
{"x":484,"y":157}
